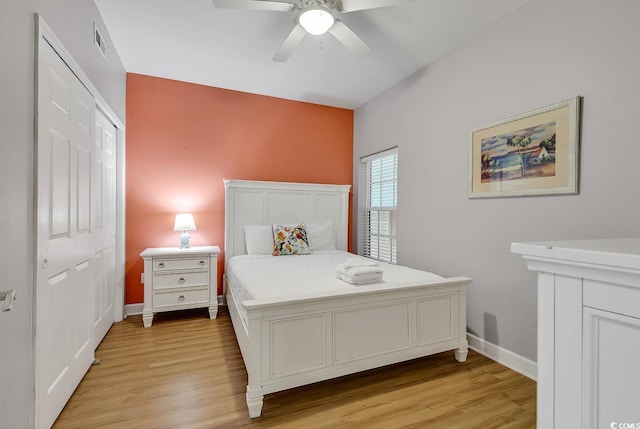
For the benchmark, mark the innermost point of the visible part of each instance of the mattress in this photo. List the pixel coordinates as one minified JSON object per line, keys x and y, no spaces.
{"x":253,"y":278}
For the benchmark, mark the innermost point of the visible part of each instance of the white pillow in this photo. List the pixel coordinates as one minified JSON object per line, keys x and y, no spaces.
{"x":320,"y":236}
{"x":258,"y":239}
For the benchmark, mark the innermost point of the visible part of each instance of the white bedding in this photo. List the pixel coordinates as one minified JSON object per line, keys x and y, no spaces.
{"x":259,"y":277}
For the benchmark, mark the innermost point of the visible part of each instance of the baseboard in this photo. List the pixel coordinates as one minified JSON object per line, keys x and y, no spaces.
{"x":520,"y":364}
{"x":222,"y":300}
{"x":133,"y":309}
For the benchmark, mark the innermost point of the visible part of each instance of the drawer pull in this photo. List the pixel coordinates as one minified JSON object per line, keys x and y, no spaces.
{"x":181,"y":280}
{"x":160,"y":264}
{"x":181,"y":298}
{"x":201,"y":263}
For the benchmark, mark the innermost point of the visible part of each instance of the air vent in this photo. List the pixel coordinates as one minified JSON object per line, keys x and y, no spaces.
{"x":101,"y":44}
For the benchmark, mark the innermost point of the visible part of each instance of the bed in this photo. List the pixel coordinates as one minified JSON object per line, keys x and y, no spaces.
{"x":322,"y":327}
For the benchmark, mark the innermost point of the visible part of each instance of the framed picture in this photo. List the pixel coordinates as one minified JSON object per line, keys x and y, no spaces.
{"x":534,"y":153}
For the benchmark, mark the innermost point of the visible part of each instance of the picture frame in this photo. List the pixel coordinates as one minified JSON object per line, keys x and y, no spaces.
{"x":533,"y":153}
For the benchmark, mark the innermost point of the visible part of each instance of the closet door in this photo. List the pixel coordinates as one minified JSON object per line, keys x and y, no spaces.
{"x":65,"y":247}
{"x":104,"y":226}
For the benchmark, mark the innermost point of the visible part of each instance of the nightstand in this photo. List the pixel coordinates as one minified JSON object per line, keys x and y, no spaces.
{"x":177,"y":279}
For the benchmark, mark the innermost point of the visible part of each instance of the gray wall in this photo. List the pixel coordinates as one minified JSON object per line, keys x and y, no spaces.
{"x":72,"y":21}
{"x":545,"y":52}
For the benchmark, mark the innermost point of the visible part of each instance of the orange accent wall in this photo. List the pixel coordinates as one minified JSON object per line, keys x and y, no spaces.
{"x":183,"y":139}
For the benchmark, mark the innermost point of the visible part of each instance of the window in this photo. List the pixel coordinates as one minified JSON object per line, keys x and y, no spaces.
{"x":379,"y":216}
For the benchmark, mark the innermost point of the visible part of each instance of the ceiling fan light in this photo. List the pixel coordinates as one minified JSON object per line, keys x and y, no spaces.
{"x":316,"y":20}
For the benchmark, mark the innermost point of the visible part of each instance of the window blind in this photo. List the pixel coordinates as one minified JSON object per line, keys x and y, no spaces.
{"x":379,"y":216}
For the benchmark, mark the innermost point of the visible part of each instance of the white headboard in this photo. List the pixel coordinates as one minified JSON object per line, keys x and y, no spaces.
{"x":250,"y":202}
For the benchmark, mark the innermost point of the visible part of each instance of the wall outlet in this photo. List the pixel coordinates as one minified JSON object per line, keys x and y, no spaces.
{"x":142,"y":278}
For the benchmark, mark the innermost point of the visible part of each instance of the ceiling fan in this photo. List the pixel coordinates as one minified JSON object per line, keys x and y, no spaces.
{"x":314,"y":17}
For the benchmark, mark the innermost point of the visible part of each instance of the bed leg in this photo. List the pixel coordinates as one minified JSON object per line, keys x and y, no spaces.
{"x":461,"y":353}
{"x":254,"y":402}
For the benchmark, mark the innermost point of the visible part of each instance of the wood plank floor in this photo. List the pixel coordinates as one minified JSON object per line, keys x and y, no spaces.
{"x":186,"y":371}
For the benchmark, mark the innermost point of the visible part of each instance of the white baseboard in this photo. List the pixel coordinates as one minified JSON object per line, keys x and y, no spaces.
{"x":520,"y":364}
{"x":133,"y":309}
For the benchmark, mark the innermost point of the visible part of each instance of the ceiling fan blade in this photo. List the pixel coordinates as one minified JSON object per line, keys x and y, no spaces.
{"x":353,"y":5}
{"x":350,"y":39}
{"x":276,"y":6}
{"x":290,"y":43}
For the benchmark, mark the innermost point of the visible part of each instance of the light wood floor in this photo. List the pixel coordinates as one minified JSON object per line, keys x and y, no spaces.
{"x":186,"y":371}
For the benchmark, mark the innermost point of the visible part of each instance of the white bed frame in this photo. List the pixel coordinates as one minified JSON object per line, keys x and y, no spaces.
{"x":290,"y":343}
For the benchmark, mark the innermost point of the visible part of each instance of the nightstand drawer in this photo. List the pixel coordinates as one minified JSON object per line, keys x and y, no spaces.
{"x":179,"y":280}
{"x":180,"y":264}
{"x":180,"y":298}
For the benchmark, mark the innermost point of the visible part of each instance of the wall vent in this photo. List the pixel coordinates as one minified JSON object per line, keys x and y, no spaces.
{"x":101,"y":44}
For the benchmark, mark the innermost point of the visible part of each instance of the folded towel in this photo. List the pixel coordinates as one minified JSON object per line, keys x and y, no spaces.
{"x":361,"y":280}
{"x":352,"y":263}
{"x":356,"y":272}
{"x":359,"y":275}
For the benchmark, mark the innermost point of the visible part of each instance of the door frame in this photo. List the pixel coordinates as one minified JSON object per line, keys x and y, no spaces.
{"x":44,"y":32}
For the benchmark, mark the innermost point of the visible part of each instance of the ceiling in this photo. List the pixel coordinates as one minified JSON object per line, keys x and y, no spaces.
{"x":192,"y":41}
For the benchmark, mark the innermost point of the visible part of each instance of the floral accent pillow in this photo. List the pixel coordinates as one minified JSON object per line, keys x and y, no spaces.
{"x":290,"y":240}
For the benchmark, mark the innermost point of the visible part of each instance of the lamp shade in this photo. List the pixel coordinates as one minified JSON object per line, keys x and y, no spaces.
{"x":316,"y":20}
{"x":184,"y":222}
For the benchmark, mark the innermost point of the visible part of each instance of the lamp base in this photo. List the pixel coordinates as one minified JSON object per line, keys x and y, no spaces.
{"x":184,"y":240}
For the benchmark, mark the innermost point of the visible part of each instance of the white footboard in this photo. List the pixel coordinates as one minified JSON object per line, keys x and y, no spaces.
{"x":293,"y":343}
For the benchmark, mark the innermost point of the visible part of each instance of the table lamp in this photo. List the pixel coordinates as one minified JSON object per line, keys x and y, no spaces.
{"x":184,"y":223}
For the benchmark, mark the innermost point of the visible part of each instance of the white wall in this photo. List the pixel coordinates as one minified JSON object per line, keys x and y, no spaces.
{"x":72,"y":21}
{"x":545,"y":52}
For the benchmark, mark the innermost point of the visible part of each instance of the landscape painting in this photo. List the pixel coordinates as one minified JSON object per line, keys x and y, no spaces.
{"x":534,"y":153}
{"x":519,"y":155}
